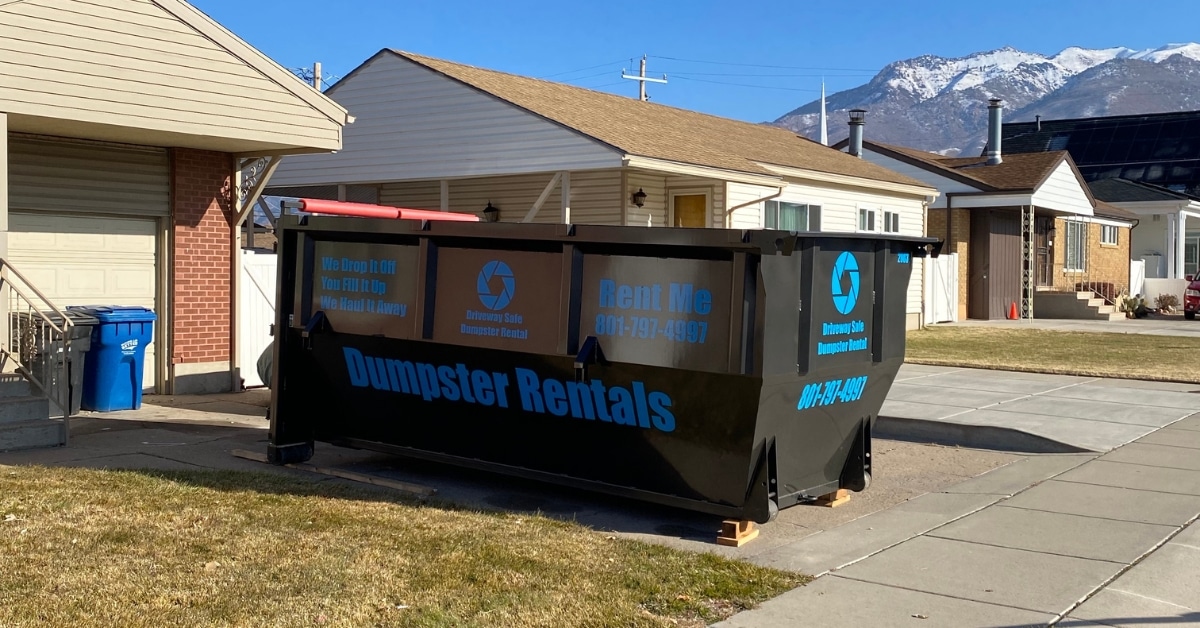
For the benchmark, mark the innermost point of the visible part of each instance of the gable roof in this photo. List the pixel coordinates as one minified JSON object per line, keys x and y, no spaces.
{"x":1016,"y":173}
{"x":1126,"y":191}
{"x":657,"y":131}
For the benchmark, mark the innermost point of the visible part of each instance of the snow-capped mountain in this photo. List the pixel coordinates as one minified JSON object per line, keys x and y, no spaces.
{"x":940,"y":104}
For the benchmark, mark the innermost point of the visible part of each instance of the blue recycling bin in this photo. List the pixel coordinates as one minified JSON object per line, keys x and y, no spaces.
{"x":112,"y":374}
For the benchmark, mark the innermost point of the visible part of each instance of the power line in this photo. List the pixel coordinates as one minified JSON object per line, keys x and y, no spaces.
{"x":787,"y":89}
{"x":759,"y":65}
{"x":743,"y":74}
{"x":591,"y":67}
{"x":583,"y":78}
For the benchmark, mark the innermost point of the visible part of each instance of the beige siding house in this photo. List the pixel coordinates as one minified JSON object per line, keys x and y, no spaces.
{"x":432,"y":134}
{"x":124,"y":128}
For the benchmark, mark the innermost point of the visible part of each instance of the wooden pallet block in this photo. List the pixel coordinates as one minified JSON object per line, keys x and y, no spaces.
{"x":834,"y":499}
{"x":736,"y":533}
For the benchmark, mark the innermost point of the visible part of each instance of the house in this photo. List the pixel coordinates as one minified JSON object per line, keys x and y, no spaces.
{"x":432,"y":134}
{"x":1159,"y":151}
{"x":1160,"y":211}
{"x":134,"y":136}
{"x":1024,"y":229}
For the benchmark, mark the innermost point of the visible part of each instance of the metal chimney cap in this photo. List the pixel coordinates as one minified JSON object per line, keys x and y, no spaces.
{"x":994,"y":102}
{"x":858,"y":116}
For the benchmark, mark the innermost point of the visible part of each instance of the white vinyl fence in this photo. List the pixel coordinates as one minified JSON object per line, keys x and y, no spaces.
{"x":941,"y":288}
{"x":256,"y":312}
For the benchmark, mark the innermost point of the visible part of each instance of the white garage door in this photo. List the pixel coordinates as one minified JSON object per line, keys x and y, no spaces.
{"x":89,"y":260}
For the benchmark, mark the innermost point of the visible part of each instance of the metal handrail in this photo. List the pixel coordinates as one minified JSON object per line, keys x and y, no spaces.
{"x":22,"y":343}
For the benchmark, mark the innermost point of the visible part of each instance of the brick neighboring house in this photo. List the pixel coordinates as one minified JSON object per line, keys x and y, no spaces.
{"x":1076,"y":243}
{"x":123,"y":169}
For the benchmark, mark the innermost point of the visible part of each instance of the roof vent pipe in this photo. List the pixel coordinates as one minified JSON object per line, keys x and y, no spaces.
{"x":993,"y":145}
{"x":1038,"y":120}
{"x":858,"y":117}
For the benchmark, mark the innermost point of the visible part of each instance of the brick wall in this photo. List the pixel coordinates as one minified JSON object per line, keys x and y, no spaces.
{"x":1104,"y":263}
{"x":957,"y":241}
{"x":201,"y":255}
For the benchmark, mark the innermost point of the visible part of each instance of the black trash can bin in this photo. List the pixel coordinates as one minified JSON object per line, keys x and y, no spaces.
{"x":725,"y":371}
{"x":46,"y":356}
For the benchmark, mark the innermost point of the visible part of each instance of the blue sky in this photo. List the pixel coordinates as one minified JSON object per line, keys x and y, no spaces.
{"x":713,"y":53}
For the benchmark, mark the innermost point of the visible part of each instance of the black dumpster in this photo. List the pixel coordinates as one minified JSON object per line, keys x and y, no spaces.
{"x":46,"y":355}
{"x":726,"y":371}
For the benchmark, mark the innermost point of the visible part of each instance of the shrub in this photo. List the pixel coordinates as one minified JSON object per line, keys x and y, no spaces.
{"x":1166,"y":302}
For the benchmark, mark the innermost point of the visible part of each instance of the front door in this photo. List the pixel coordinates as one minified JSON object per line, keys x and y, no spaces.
{"x":688,"y":210}
{"x":1045,"y":254}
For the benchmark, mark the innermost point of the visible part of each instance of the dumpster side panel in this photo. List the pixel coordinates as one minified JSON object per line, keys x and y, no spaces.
{"x":623,"y":425}
{"x":848,"y":345}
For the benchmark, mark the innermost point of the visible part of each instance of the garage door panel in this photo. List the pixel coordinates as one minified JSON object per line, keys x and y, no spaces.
{"x":89,"y":260}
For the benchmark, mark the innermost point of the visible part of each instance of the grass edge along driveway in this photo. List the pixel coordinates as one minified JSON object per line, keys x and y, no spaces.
{"x":82,"y":547}
{"x":1130,"y":356}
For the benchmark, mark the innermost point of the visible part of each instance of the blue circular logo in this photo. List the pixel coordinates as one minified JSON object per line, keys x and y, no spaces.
{"x":845,"y":299}
{"x":496,"y":285}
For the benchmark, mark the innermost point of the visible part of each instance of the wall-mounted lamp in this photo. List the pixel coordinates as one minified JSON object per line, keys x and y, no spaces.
{"x":491,"y":214}
{"x":639,"y":198}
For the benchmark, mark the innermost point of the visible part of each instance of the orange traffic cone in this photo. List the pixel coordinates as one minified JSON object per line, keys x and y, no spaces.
{"x":1012,"y":311}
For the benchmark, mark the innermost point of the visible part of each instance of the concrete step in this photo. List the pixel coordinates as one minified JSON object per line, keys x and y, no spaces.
{"x":12,"y":385}
{"x":35,"y":434}
{"x":20,"y":409}
{"x":1111,"y":316}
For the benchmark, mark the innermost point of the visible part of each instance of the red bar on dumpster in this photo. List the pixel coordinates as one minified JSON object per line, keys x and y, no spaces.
{"x":364,"y":210}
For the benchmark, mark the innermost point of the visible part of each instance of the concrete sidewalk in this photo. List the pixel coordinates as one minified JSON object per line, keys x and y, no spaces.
{"x":1029,"y":412}
{"x":1102,"y":541}
{"x":1154,"y":325}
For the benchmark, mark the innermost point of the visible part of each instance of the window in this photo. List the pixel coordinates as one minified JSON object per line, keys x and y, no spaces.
{"x":1108,"y":234}
{"x":866,"y":219}
{"x":891,"y":222}
{"x":792,"y":216}
{"x":1076,"y":246}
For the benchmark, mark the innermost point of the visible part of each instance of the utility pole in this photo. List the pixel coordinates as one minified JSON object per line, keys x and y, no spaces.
{"x":641,"y":78}
{"x":317,"y":76}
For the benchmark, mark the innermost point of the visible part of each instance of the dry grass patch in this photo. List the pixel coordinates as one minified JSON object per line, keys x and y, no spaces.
{"x":1132,"y":356}
{"x":124,"y":548}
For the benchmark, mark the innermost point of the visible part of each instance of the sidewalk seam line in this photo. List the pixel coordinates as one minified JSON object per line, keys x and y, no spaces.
{"x":1055,"y":512}
{"x":1142,"y":464}
{"x":952,"y":597}
{"x":1122,"y":572}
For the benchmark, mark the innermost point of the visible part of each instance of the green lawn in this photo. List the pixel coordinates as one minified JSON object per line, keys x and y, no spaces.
{"x":1134,"y":356}
{"x":85,"y":548}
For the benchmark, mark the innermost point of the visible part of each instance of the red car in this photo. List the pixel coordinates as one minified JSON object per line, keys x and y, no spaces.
{"x":1191,"y":298}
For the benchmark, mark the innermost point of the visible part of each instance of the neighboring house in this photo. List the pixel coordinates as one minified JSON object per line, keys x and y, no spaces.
{"x":431,"y":134}
{"x":1025,"y":229}
{"x":1160,"y":150}
{"x":123,"y":127}
{"x":1160,"y":212}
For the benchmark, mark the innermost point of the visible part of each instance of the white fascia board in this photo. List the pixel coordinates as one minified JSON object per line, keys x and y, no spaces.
{"x":990,"y":200}
{"x":1148,"y":208}
{"x":675,"y":167}
{"x":842,"y":179}
{"x":1100,"y":220}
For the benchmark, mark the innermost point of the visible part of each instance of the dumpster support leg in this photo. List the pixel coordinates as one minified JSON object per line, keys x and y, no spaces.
{"x":737,"y":533}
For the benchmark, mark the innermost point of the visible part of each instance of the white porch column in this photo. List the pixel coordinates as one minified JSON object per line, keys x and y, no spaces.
{"x":445,"y":196}
{"x":566,"y":196}
{"x":1180,"y":245}
{"x":1169,"y":249}
{"x":4,"y":336}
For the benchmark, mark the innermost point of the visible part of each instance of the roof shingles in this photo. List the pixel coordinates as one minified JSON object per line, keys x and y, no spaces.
{"x":657,"y":131}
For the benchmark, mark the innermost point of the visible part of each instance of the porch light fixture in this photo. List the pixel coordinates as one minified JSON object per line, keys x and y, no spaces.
{"x":639,"y":198}
{"x":491,"y":214}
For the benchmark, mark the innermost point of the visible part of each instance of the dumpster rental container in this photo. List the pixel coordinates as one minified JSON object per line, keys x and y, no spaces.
{"x":112,"y":376}
{"x":725,"y":371}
